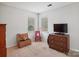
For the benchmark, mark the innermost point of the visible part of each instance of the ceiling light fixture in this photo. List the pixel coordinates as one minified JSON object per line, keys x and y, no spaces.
{"x":49,"y":5}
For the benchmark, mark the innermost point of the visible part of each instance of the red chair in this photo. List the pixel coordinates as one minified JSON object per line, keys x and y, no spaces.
{"x":37,"y":36}
{"x":23,"y":40}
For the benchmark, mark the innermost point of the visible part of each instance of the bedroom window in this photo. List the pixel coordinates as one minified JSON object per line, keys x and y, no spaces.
{"x":44,"y":24}
{"x":31,"y":24}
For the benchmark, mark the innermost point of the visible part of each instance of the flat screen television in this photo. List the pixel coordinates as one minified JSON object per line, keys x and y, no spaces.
{"x":61,"y":28}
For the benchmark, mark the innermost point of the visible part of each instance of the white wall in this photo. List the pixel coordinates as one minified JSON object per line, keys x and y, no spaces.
{"x":17,"y":22}
{"x":67,"y":14}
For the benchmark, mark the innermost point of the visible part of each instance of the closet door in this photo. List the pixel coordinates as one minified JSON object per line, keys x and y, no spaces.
{"x":2,"y":40}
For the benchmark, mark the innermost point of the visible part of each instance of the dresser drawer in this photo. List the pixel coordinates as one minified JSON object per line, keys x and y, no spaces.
{"x":59,"y":42}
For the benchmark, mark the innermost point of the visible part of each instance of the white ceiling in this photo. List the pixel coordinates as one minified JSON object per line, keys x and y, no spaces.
{"x":36,"y":7}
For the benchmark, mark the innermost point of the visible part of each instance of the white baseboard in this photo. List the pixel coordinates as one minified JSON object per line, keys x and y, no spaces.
{"x":11,"y":46}
{"x":75,"y":50}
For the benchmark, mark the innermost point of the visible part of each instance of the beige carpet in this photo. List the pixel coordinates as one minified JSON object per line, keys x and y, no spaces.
{"x":37,"y":49}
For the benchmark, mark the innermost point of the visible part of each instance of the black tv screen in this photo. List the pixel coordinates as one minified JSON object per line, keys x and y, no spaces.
{"x":60,"y":28}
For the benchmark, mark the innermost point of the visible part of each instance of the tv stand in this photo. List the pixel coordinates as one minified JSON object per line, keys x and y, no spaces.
{"x":59,"y":42}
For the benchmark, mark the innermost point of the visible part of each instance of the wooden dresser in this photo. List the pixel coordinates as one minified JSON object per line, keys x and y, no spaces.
{"x":2,"y":40}
{"x":59,"y":42}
